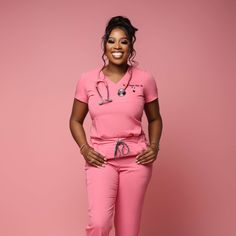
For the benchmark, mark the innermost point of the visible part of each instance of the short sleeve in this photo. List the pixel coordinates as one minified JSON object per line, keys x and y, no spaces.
{"x":150,"y":89}
{"x":81,"y":91}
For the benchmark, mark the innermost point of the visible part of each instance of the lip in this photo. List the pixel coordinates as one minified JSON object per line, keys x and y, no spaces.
{"x":117,"y":52}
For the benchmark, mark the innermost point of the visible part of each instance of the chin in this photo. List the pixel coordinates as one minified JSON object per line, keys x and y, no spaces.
{"x":118,"y":62}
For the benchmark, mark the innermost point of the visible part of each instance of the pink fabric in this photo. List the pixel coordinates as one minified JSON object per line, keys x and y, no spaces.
{"x":118,"y":187}
{"x":122,"y":183}
{"x":121,"y":117}
{"x":107,"y":147}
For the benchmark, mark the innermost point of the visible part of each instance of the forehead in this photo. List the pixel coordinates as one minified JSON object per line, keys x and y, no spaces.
{"x":117,"y":33}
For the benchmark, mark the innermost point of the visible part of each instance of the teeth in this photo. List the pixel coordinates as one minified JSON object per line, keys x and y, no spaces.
{"x":117,"y":54}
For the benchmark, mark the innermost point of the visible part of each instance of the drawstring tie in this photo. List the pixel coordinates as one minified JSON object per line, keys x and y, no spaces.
{"x":120,"y":142}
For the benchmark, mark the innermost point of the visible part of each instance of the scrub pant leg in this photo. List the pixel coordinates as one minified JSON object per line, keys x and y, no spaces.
{"x":118,"y":188}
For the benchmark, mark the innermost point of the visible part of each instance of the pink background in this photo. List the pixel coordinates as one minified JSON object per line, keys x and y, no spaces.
{"x":189,"y":46}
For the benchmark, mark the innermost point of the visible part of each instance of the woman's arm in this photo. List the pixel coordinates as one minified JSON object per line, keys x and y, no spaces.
{"x":154,"y":130}
{"x":155,"y":124}
{"x":79,"y":112}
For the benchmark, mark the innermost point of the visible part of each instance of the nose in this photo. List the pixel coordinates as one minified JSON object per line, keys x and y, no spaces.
{"x":117,"y":45}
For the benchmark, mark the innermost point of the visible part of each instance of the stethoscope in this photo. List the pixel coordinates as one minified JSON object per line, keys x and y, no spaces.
{"x":121,"y":92}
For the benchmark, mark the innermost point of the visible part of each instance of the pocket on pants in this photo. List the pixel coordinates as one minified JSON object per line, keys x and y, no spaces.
{"x":85,"y":165}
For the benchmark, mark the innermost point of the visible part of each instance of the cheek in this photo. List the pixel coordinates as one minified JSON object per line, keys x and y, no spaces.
{"x":106,"y":51}
{"x":126,"y":54}
{"x":108,"y":47}
{"x":127,"y":51}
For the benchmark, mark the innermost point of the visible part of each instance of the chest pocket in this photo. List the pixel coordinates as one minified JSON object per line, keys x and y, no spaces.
{"x":135,"y":91}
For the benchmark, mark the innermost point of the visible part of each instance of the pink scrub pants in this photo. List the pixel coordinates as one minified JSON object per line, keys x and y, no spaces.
{"x":117,"y":188}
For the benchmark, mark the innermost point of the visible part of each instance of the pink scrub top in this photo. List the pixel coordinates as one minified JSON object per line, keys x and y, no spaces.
{"x":120,"y":119}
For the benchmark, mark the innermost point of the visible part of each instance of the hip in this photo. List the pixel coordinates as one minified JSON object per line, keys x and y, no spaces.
{"x":120,"y":147}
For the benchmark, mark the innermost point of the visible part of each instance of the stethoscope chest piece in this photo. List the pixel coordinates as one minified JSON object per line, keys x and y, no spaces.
{"x":121,"y":92}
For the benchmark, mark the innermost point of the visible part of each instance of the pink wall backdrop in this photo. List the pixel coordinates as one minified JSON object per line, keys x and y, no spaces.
{"x":189,"y":46}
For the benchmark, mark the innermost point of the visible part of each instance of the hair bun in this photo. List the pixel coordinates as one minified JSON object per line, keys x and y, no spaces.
{"x":121,"y":21}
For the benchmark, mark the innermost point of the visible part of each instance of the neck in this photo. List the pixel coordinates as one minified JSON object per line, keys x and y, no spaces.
{"x":117,"y":69}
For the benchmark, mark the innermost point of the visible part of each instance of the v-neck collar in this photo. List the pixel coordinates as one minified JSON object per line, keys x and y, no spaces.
{"x":123,"y":80}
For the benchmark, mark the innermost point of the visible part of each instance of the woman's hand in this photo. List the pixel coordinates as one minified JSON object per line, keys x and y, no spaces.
{"x":93,"y":157}
{"x":147,"y":156}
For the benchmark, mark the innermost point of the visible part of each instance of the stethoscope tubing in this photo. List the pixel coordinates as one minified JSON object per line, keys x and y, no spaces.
{"x":108,"y":99}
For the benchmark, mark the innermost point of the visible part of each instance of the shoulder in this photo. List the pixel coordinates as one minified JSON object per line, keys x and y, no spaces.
{"x":143,"y":74}
{"x":148,"y":81}
{"x":88,"y":77}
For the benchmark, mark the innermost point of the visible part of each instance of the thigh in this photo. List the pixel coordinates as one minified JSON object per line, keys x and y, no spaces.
{"x":101,"y":186}
{"x":134,"y":179}
{"x":133,"y":183}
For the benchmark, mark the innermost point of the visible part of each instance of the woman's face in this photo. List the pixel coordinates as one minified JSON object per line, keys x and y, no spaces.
{"x":117,"y":47}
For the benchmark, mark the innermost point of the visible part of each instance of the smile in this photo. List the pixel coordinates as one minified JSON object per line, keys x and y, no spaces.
{"x":117,"y":54}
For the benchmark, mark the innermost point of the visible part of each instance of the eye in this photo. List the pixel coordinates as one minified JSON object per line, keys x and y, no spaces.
{"x":125,"y":42}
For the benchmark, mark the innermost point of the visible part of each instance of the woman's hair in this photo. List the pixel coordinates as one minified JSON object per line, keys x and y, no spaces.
{"x":124,"y":24}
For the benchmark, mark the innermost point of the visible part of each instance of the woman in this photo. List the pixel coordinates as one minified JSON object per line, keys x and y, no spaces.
{"x":119,"y":160}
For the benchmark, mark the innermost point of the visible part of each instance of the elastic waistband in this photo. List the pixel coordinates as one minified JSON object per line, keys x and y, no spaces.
{"x":135,"y":139}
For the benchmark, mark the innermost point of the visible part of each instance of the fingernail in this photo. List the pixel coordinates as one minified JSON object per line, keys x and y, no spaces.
{"x":138,"y":162}
{"x":105,"y":158}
